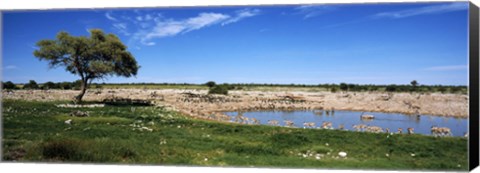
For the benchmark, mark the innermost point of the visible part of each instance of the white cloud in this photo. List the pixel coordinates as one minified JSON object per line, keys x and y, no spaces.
{"x":149,"y":43}
{"x":120,"y":25}
{"x":204,"y":19}
{"x":10,"y":67}
{"x":165,"y":29}
{"x":447,"y":68}
{"x":121,"y":28}
{"x":427,"y":10}
{"x":241,"y":14}
{"x":146,"y":27}
{"x":174,"y":27}
{"x":110,"y":17}
{"x":432,"y":9}
{"x":309,"y":11}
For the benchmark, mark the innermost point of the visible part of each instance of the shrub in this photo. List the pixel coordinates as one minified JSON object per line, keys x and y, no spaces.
{"x":210,"y":84}
{"x":60,"y":150}
{"x":391,"y":88}
{"x":343,"y":86}
{"x":31,"y":85}
{"x":455,"y":89}
{"x":76,"y":85}
{"x":442,"y":89}
{"x":65,"y":85}
{"x":218,"y":89}
{"x":9,"y":85}
{"x":49,"y":85}
{"x":351,"y":87}
{"x":333,"y":90}
{"x":228,"y":86}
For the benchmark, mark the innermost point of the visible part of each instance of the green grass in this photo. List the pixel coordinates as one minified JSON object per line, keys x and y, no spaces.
{"x":36,"y":132}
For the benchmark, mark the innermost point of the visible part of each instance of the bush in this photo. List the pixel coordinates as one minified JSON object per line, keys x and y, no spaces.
{"x":351,"y":87}
{"x":60,"y":150}
{"x":391,"y":88}
{"x":49,"y":85}
{"x":333,"y":90}
{"x":343,"y":86}
{"x":9,"y":85}
{"x":455,"y":89}
{"x":210,"y":84}
{"x":442,"y":89}
{"x":31,"y":85}
{"x":218,"y":89}
{"x":65,"y":85}
{"x":228,"y":86}
{"x":76,"y":85}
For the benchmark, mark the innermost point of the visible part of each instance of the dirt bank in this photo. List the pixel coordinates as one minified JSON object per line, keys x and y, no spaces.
{"x":197,"y":103}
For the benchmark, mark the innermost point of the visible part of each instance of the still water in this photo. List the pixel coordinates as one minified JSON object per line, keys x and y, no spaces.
{"x":393,"y":121}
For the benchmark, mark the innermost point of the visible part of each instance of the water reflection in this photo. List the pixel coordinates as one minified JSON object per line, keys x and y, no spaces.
{"x":347,"y":119}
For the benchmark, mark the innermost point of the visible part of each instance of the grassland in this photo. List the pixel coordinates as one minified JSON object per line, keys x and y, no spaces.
{"x":35,"y":132}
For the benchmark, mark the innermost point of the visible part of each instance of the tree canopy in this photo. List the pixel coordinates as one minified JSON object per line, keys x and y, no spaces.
{"x":210,"y":84}
{"x":9,"y":85}
{"x":31,"y":85}
{"x":98,"y":56}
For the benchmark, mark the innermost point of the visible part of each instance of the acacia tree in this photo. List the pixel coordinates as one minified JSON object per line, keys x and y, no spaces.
{"x":210,"y":84}
{"x":414,"y":84}
{"x":98,"y":56}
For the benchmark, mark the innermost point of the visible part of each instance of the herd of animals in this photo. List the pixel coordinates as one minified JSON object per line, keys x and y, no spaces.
{"x":435,"y":131}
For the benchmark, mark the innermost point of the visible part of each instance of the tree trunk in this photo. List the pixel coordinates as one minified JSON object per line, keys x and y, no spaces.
{"x":83,"y":88}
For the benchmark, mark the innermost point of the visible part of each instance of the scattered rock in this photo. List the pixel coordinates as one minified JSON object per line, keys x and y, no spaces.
{"x":342,"y":154}
{"x":79,"y":114}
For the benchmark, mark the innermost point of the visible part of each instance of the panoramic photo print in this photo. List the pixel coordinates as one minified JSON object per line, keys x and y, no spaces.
{"x":322,"y":86}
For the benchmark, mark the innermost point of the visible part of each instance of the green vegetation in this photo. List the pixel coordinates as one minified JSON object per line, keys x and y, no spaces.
{"x":96,"y":57}
{"x":213,"y":88}
{"x":270,"y":87}
{"x":31,"y":85}
{"x":8,"y":85}
{"x":414,"y":84}
{"x":343,"y":86}
{"x":35,"y":131}
{"x":300,"y":87}
{"x":219,"y":89}
{"x":210,"y":84}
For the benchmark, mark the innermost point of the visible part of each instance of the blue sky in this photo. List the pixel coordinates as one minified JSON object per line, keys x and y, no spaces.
{"x":309,"y":44}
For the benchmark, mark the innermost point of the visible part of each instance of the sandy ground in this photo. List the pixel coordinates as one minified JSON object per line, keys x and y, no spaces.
{"x":198,"y":104}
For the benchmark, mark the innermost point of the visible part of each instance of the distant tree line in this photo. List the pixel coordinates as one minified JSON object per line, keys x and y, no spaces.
{"x":414,"y":86}
{"x":32,"y":84}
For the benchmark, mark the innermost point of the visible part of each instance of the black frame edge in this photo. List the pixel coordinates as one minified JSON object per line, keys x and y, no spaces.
{"x":473,"y":86}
